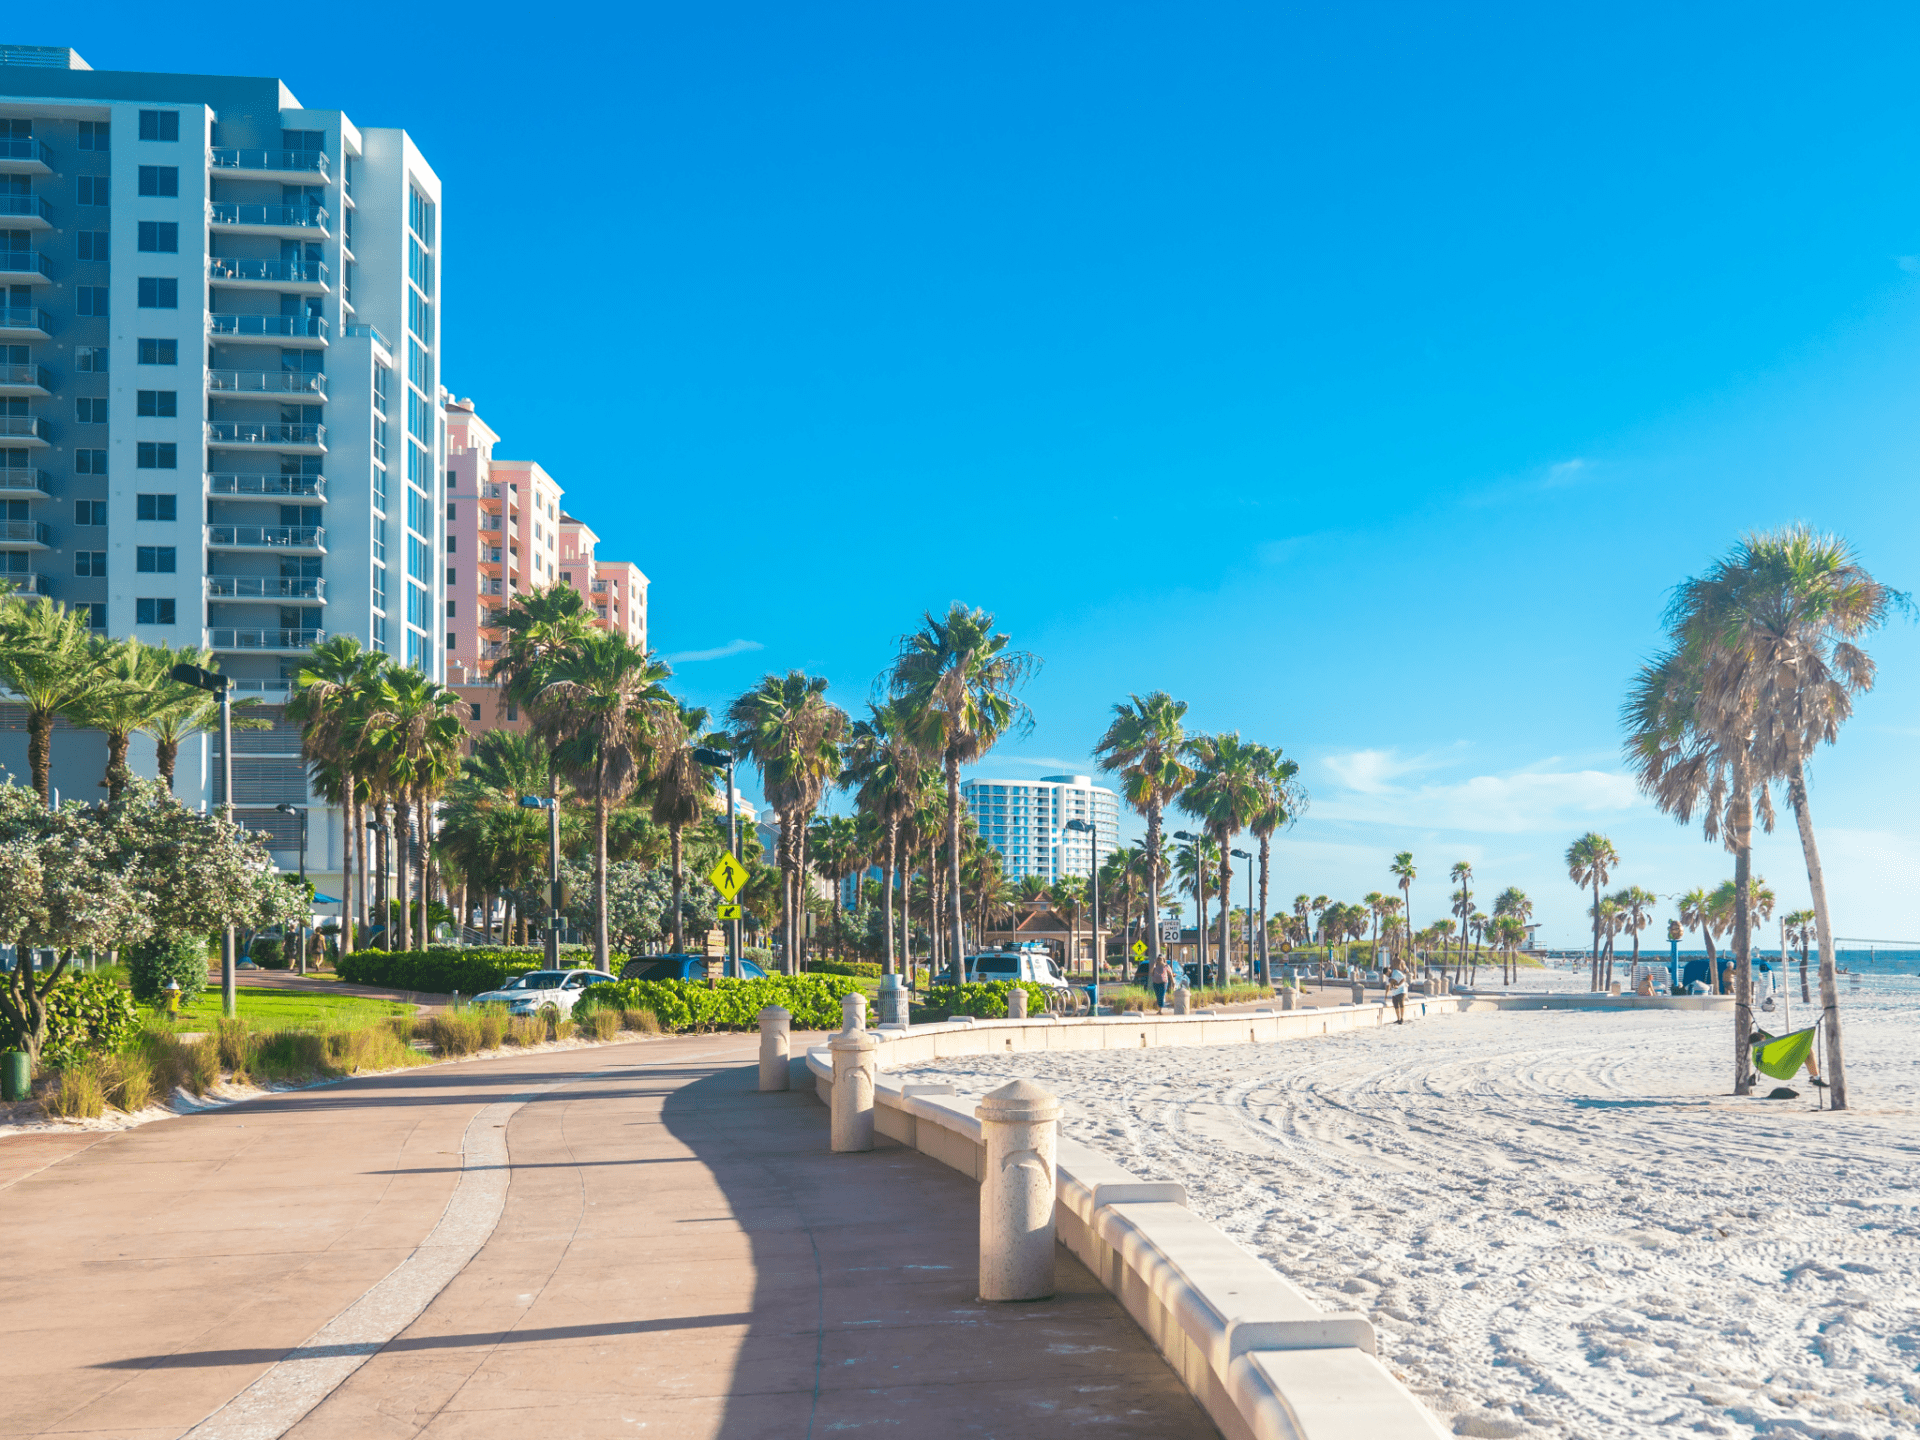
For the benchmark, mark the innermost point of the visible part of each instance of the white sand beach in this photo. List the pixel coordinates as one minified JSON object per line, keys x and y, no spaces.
{"x":1560,"y":1223}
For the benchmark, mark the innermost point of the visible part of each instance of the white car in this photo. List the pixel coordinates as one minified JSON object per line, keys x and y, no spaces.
{"x":1029,"y":965}
{"x":533,"y":992}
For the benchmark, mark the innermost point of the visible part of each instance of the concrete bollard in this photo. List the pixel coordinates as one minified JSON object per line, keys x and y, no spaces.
{"x":775,"y":1024}
{"x":853,"y":1012}
{"x":1016,"y":1003}
{"x":1182,"y":1000}
{"x":1019,"y":1123}
{"x":852,"y":1090}
{"x":891,"y":1013}
{"x":1286,"y":998}
{"x":1359,"y":993}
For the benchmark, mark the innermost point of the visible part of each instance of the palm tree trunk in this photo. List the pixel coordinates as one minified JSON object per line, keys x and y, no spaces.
{"x":886,"y":895}
{"x":117,"y":741}
{"x":1713,"y":957}
{"x":1266,"y":955}
{"x":1836,"y":1070}
{"x":953,"y":868}
{"x":1742,"y":938}
{"x":40,"y":753}
{"x":1226,"y":910}
{"x":802,"y":884}
{"x":679,"y":889}
{"x":1153,"y":885}
{"x":1805,"y":998}
{"x":1200,"y":912}
{"x":1596,"y":931}
{"x":600,"y":810}
{"x":166,"y":754}
{"x":347,"y":815}
{"x":402,"y":828}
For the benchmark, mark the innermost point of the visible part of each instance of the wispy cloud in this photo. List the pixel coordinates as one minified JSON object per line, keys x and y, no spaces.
{"x":1539,"y":797}
{"x":1044,"y":762}
{"x":1561,"y":475}
{"x":719,"y":652}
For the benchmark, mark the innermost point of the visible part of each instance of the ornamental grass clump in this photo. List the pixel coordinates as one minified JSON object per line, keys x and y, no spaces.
{"x":236,"y":1046}
{"x":457,"y":1033}
{"x":78,"y":1093}
{"x":387,"y":1046}
{"x":526,"y":1030}
{"x":493,"y":1025}
{"x":643,"y":1021}
{"x":603,"y":1024}
{"x":203,"y":1065}
{"x":289,"y":1055}
{"x":129,"y":1081}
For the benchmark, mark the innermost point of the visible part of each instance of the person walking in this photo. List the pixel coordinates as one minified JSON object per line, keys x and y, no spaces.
{"x":1159,"y":977}
{"x":1397,"y":992}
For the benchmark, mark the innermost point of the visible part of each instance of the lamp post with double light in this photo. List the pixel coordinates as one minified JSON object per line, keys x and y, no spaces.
{"x":1199,"y":899}
{"x":552,"y":807}
{"x":215,"y":683}
{"x":1093,"y":875}
{"x":1243,"y":855}
{"x":288,"y":809}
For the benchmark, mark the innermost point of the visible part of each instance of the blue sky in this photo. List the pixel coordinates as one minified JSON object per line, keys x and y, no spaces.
{"x":1364,"y":375}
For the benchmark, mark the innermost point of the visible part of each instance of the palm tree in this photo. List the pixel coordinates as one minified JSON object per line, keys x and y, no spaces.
{"x":1696,"y":913}
{"x":413,"y":737}
{"x":1462,"y":875}
{"x":1801,"y":927}
{"x":1282,"y":799}
{"x":51,"y":664}
{"x":839,"y":850}
{"x":328,"y":695}
{"x":792,"y":732}
{"x":1477,"y":923}
{"x":1225,"y":796}
{"x":1513,"y":902}
{"x":955,"y":679}
{"x":1590,"y":861}
{"x":131,"y":689}
{"x":1035,"y":889}
{"x":1403,"y":870}
{"x":494,"y":841}
{"x":1636,"y":907}
{"x":1144,"y":745}
{"x":603,"y":695}
{"x":1772,"y":632}
{"x":890,"y":774}
{"x":1070,"y":894}
{"x":682,"y":787}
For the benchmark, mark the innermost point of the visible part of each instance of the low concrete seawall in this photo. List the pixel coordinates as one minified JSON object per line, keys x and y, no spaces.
{"x":1263,"y":1360}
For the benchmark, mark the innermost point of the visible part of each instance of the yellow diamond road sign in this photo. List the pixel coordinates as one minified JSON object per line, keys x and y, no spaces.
{"x":1139,"y":947}
{"x":729,"y":912}
{"x":728,"y":876}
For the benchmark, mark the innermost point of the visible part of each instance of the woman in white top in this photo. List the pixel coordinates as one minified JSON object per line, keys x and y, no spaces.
{"x":1397,"y":993}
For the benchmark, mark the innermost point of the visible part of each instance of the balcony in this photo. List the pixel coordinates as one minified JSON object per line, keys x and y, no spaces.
{"x":25,"y":156}
{"x":490,"y":555}
{"x":307,"y":384}
{"x":297,"y":165}
{"x":366,"y":332}
{"x":305,"y":277}
{"x":307,"y":539}
{"x":25,"y":212}
{"x":25,"y":322}
{"x":272,"y":642}
{"x":267,"y":587}
{"x":26,"y":485}
{"x":269,"y":487}
{"x":25,"y":380}
{"x":305,"y":439}
{"x":295,"y":222}
{"x":25,"y":430}
{"x":25,"y":582}
{"x":34,"y":534}
{"x":270,"y":329}
{"x":28,"y":265}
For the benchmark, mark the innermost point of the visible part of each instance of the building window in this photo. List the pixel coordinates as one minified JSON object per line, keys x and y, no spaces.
{"x":91,"y":244}
{"x":380,"y":634}
{"x":161,"y":237}
{"x":160,"y":180}
{"x":89,"y":512}
{"x":153,"y":612}
{"x":92,"y":299}
{"x":158,"y":456}
{"x":90,"y":411}
{"x":450,"y":614}
{"x":94,"y":135}
{"x":89,"y":462}
{"x":161,"y":403}
{"x":452,"y":509}
{"x":157,"y":292}
{"x":156,"y":507}
{"x":159,"y":125}
{"x":159,"y":352}
{"x":566,"y":577}
{"x":451,"y":581}
{"x":420,"y":215}
{"x":96,"y":615}
{"x":453,"y":543}
{"x":94,"y":189}
{"x":452,"y":640}
{"x":473,"y":711}
{"x":90,"y":359}
{"x":154,"y":559}
{"x":92,"y":563}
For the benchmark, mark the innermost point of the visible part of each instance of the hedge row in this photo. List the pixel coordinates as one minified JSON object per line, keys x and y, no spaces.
{"x":439,"y":971}
{"x":812,"y":1000}
{"x":858,"y":968}
{"x":85,"y":1013}
{"x":986,"y":1000}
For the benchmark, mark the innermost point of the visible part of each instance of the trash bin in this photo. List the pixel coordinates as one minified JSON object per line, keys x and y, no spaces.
{"x":16,"y":1076}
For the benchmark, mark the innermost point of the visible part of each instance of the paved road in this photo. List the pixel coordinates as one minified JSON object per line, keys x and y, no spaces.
{"x":611,"y":1241}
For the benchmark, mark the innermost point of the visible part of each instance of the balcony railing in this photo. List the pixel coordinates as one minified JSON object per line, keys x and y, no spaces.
{"x":257,"y":537}
{"x":267,"y":485}
{"x":266,"y":587}
{"x":24,"y":262}
{"x":265,"y":639}
{"x":25,"y":317}
{"x":489,"y":556}
{"x":25,"y":582}
{"x":229,"y":212}
{"x":312,"y":327}
{"x":23,"y":375}
{"x":26,"y":480}
{"x":267,"y":382}
{"x":25,"y":207}
{"x":280,"y":272}
{"x":264,"y":432}
{"x":31,"y":532}
{"x":282,"y":160}
{"x":25,"y":147}
{"x":25,"y":427}
{"x":365,"y":332}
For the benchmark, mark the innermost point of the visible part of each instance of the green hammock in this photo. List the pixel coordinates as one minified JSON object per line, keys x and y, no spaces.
{"x":1782,"y":1056}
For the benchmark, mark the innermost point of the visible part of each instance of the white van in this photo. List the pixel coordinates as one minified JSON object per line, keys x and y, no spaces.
{"x":1005,"y":965}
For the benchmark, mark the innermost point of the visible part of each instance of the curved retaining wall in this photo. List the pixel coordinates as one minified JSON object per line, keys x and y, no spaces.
{"x":1263,"y":1360}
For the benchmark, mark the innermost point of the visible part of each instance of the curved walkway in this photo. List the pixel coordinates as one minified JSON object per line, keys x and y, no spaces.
{"x":616,"y":1240}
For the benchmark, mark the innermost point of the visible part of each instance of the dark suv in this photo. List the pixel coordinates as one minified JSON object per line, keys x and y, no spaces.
{"x":684,"y":967}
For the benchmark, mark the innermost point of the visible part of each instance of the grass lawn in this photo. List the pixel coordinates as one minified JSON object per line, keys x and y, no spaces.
{"x":265,"y":1009}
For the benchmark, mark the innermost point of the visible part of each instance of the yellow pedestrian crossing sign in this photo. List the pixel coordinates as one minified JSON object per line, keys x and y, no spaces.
{"x":729,"y":912}
{"x":728,"y":876}
{"x":1139,"y":947}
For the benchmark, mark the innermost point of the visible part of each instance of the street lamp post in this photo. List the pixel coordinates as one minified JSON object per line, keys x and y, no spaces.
{"x":215,"y":683}
{"x":552,"y":807}
{"x":1093,"y":872}
{"x":714,"y":759}
{"x":1243,"y":855}
{"x":286,"y":809}
{"x":1199,"y":899}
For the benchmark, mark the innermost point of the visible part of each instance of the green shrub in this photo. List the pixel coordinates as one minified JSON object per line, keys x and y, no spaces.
{"x":86,"y":1014}
{"x":813,"y":1001}
{"x":984,"y":1001}
{"x":269,"y":955}
{"x":844,"y":967}
{"x":152,"y":963}
{"x":439,"y":971}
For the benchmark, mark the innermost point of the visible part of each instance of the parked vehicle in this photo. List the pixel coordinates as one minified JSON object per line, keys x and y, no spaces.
{"x":1006,"y":965}
{"x":537,"y":991}
{"x":684,"y":967}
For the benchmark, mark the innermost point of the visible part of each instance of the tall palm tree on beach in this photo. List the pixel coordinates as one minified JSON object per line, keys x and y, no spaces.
{"x":956,"y":681}
{"x":1225,"y":796}
{"x":1404,"y":873}
{"x":1282,"y":798}
{"x":1801,"y":928}
{"x":1145,"y":745}
{"x":1636,"y":909}
{"x":889,"y":773}
{"x":1461,"y":874}
{"x":1590,"y":862}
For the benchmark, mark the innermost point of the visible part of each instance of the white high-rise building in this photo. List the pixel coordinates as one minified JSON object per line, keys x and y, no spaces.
{"x":1025,"y":820}
{"x":219,"y":371}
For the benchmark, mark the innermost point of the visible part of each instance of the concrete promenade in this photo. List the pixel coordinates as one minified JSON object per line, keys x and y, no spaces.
{"x":617,"y":1240}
